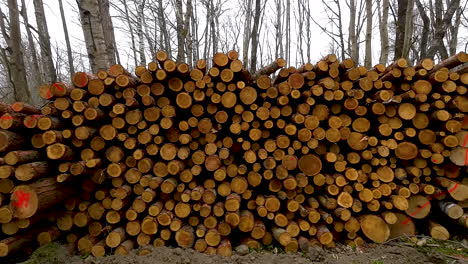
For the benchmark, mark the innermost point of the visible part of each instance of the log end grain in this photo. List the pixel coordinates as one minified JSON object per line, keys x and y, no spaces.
{"x":310,"y":164}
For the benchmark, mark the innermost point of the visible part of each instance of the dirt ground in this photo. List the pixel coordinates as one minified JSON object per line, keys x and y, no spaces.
{"x":395,"y":252}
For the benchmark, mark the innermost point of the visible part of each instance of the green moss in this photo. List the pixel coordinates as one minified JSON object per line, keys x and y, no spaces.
{"x":52,"y":253}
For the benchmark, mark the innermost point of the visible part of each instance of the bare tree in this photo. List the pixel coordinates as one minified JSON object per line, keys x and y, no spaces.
{"x":44,"y":41}
{"x":300,"y":23}
{"x":247,"y":31}
{"x":278,"y":30}
{"x":288,"y":30}
{"x":334,"y":19}
{"x":408,"y":29}
{"x":140,"y":6}
{"x":149,"y":38}
{"x":163,"y":28}
{"x":383,"y":29}
{"x":454,"y":28}
{"x":180,"y":30}
{"x":442,"y":23}
{"x":188,"y":35}
{"x":368,"y":56}
{"x":425,"y":30}
{"x":308,"y":31}
{"x":214,"y":36}
{"x":130,"y":28}
{"x":108,"y":29}
{"x":254,"y":34}
{"x":194,"y":28}
{"x":16,"y":63}
{"x":353,"y":38}
{"x":67,"y":39}
{"x":93,"y":32}
{"x":32,"y":47}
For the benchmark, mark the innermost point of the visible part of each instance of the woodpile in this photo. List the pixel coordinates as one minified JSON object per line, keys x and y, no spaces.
{"x":212,"y":158}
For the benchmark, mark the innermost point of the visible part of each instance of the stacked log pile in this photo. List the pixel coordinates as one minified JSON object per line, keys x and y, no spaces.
{"x":212,"y":158}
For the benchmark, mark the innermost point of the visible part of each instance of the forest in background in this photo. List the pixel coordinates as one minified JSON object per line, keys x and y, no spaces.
{"x":129,"y":32}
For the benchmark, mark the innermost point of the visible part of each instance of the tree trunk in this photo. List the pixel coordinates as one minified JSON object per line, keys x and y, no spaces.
{"x":437,"y":43}
{"x":454,"y":28}
{"x":368,"y":56}
{"x":90,"y":18}
{"x":188,"y":37}
{"x":383,"y":25}
{"x":108,"y":28}
{"x":141,"y":37}
{"x":288,"y":30}
{"x":279,"y":32}
{"x":180,"y":31}
{"x":340,"y":30}
{"x":17,"y":69}
{"x":163,"y":28}
{"x":254,"y":34}
{"x":425,"y":30}
{"x":408,"y":29}
{"x":309,"y":35}
{"x":195,"y":41}
{"x":35,"y":64}
{"x":300,"y":24}
{"x":214,"y":36}
{"x":67,"y":40}
{"x":247,"y":32}
{"x":400,"y":28}
{"x":44,"y":40}
{"x":352,"y":42}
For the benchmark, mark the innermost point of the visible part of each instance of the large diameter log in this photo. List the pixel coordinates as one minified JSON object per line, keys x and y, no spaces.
{"x":403,"y":226}
{"x":10,"y":141}
{"x":419,"y":206}
{"x":26,"y":200}
{"x":452,"y":61}
{"x":59,"y":151}
{"x":185,"y":236}
{"x":374,"y":228}
{"x":438,"y":231}
{"x":310,"y":164}
{"x":28,"y":171}
{"x":406,"y":151}
{"x":115,"y":238}
{"x":13,"y":243}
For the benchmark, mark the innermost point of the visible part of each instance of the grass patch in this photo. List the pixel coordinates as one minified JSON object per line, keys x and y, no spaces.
{"x":447,"y":250}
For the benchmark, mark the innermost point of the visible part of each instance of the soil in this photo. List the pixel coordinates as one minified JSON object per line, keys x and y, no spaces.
{"x":397,"y":253}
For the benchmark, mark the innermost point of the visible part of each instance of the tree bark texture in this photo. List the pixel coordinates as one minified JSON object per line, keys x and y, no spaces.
{"x":93,"y":31}
{"x":352,"y":42}
{"x":254,"y":34}
{"x":180,"y":31}
{"x":400,"y":28}
{"x":108,"y":28}
{"x":67,"y":40}
{"x":17,"y":68}
{"x":32,"y":47}
{"x":442,"y":23}
{"x":50,"y":75}
{"x":383,"y":28}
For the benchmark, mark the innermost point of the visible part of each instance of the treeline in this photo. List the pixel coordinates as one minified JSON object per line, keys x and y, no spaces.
{"x":368,"y":31}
